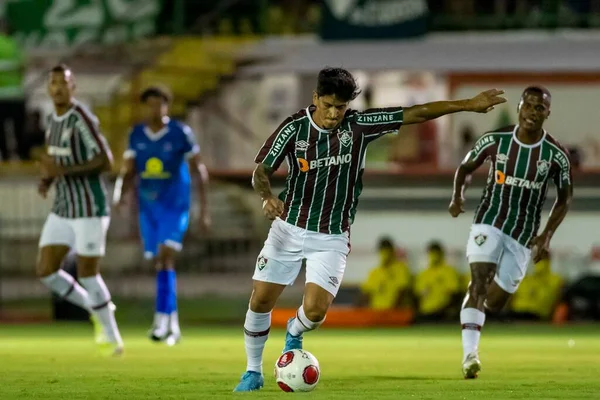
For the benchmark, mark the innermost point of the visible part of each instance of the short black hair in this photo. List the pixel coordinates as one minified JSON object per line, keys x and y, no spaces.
{"x":435,"y":246}
{"x":155,"y":91}
{"x":61,"y":68}
{"x":338,"y":82}
{"x":386,"y":243}
{"x":538,"y":89}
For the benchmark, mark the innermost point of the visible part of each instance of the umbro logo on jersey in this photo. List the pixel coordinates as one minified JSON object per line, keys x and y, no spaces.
{"x":501,"y":158}
{"x":301,"y":145}
{"x":345,"y":137}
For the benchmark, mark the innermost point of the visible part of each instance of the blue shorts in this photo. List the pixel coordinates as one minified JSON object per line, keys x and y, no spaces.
{"x":162,"y":226}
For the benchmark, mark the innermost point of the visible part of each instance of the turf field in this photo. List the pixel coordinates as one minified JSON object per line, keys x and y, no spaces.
{"x":58,"y":361}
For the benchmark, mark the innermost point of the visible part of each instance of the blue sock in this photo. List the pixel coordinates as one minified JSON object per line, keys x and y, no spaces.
{"x":171,"y":291}
{"x":162,"y":292}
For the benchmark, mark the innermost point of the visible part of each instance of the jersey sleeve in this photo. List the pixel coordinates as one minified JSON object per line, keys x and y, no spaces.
{"x":130,"y":151}
{"x":278,"y":145}
{"x":190,"y":147}
{"x":376,"y":122}
{"x":95,"y":143}
{"x":564,"y":175}
{"x":482,"y":149}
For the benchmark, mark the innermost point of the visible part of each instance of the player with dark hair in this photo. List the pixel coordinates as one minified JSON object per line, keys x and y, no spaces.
{"x":504,"y":235}
{"x":324,"y":146}
{"x":160,"y":155}
{"x":77,"y":155}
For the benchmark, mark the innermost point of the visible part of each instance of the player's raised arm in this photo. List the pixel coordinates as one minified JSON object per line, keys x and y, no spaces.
{"x":563,"y":180}
{"x":473,"y":160}
{"x":482,"y":103}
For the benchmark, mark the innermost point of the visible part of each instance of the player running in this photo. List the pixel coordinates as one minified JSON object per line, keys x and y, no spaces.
{"x":504,"y":235}
{"x":77,"y":155}
{"x":158,"y":156}
{"x":324,"y":146}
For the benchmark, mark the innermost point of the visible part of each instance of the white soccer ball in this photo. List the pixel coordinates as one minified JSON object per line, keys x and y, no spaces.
{"x":297,"y":371}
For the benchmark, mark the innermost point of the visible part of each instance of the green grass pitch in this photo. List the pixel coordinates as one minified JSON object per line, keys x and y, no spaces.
{"x":59,"y":361}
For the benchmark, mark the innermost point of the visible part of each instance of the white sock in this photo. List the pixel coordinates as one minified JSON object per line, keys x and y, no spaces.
{"x":302,"y":324}
{"x":471,"y":320}
{"x":256,"y":333}
{"x":161,"y":324}
{"x":99,"y":298}
{"x":67,"y":287}
{"x":174,"y":323}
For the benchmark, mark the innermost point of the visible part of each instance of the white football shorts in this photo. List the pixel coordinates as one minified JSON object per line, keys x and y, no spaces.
{"x":287,"y":245}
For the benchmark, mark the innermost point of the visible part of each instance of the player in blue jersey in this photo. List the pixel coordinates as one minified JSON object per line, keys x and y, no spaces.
{"x":160,"y":156}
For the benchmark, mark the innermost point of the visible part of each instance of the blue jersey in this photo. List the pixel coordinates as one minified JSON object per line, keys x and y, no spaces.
{"x":161,"y":164}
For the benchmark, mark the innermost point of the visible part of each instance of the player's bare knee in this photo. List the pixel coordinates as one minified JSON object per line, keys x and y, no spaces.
{"x":262,"y":302}
{"x":263,"y":297}
{"x":315,"y":314}
{"x":165,"y":259}
{"x":45,"y":266}
{"x":478,"y":290}
{"x":88,"y":266}
{"x":314,"y":309}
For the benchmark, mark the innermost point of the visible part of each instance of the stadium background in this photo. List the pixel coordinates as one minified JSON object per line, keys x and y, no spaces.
{"x":237,"y":68}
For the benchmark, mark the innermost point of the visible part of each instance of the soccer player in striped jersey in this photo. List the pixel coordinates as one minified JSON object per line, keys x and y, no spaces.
{"x":324,"y":146}
{"x":77,"y":155}
{"x":161,"y":154}
{"x":504,"y":237}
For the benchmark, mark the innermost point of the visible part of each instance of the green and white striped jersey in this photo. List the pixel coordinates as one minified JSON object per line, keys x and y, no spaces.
{"x":74,"y":138}
{"x":325,"y":166}
{"x":518,"y":180}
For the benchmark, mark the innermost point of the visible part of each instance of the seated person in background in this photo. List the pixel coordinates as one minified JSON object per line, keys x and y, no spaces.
{"x":538,"y":294}
{"x":388,"y":284}
{"x":437,"y":287}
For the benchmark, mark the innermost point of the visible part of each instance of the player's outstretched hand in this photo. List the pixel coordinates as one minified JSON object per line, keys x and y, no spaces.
{"x":456,"y":207}
{"x":272,"y":207}
{"x":485,"y":101}
{"x":540,"y":247}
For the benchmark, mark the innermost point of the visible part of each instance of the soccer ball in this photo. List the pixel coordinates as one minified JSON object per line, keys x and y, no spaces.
{"x":297,"y":371}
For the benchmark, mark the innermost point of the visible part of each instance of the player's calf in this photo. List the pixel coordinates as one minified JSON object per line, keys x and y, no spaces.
{"x":100,"y":299}
{"x":496,"y":298}
{"x":57,"y":280}
{"x":166,"y":320}
{"x":472,"y":315}
{"x":310,"y":315}
{"x":257,"y":326}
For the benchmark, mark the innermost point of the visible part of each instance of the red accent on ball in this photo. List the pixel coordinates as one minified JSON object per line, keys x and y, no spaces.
{"x":310,"y":375}
{"x":285,"y":359}
{"x":284,"y":387}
